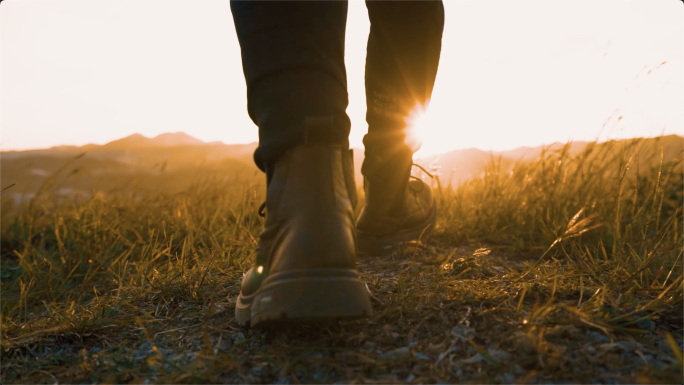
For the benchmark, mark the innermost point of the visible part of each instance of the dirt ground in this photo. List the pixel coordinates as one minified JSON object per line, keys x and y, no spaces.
{"x":442,"y":315}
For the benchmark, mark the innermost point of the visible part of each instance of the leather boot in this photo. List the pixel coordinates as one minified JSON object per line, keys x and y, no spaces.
{"x":305,"y":268}
{"x":398,"y":208}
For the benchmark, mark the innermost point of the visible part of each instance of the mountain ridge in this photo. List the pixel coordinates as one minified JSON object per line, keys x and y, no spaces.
{"x":180,"y":138}
{"x":178,"y":149}
{"x":169,"y":139}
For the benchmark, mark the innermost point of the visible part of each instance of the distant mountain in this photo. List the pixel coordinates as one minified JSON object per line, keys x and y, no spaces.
{"x":139,"y":146}
{"x":172,"y":139}
{"x":173,"y":161}
{"x":530,"y":153}
{"x":180,"y":154}
{"x":460,"y":165}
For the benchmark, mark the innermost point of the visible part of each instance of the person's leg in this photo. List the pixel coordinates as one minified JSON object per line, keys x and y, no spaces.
{"x":305,"y":265}
{"x":293,"y":61}
{"x":403,"y":52}
{"x":401,"y":66}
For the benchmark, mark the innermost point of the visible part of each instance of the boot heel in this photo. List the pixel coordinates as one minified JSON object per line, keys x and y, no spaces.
{"x":306,"y":300}
{"x":381,"y":246}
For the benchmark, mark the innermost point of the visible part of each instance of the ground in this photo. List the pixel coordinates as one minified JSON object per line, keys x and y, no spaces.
{"x":442,"y":315}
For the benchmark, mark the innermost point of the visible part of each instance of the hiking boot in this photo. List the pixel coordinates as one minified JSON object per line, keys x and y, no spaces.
{"x":305,"y":269}
{"x":399,"y":207}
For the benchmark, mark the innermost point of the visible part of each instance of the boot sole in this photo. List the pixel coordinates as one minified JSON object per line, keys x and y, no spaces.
{"x":370,"y":245}
{"x":304,"y":297}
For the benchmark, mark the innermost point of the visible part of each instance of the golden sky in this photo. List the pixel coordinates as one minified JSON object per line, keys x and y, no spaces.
{"x":512,"y":73}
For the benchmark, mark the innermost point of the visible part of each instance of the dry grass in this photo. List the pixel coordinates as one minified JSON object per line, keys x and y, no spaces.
{"x":563,"y":269}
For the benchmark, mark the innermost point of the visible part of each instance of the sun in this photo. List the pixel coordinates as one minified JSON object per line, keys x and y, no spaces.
{"x":424,"y":131}
{"x":416,"y":125}
{"x":429,"y":133}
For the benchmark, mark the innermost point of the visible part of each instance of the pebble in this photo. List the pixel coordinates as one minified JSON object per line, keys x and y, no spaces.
{"x":225,"y":345}
{"x":597,"y":336}
{"x":260,"y":370}
{"x":463,"y":333}
{"x":627,"y":345}
{"x":647,"y":324}
{"x":368,"y":346}
{"x":395,"y":354}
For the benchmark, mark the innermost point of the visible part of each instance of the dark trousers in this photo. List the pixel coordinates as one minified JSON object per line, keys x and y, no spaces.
{"x":293,"y":61}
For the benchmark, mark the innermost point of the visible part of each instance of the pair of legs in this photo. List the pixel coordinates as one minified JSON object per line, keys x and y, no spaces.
{"x":293,"y":61}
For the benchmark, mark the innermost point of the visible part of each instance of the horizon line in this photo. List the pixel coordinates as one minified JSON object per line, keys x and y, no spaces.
{"x":219,"y":142}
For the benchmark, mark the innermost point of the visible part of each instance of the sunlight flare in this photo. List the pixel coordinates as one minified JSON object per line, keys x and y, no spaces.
{"x":416,"y":125}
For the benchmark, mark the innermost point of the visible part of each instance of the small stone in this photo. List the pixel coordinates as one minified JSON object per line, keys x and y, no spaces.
{"x":410,"y":378}
{"x":597,"y":337}
{"x":225,"y":344}
{"x":319,"y":371}
{"x":523,"y":342}
{"x":628,"y":346}
{"x":561,"y":331}
{"x":421,"y":356}
{"x":395,"y":354}
{"x":500,"y":355}
{"x":663,"y":346}
{"x":260,"y":370}
{"x":472,"y":360}
{"x":463,"y":332}
{"x":646,"y":324}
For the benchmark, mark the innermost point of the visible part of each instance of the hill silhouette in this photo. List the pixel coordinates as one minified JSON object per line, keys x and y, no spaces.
{"x":172,"y":161}
{"x":171,"y":139}
{"x":177,"y":159}
{"x":458,"y":166}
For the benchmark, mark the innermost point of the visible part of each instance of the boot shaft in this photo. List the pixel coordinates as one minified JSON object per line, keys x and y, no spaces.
{"x":312,"y":179}
{"x":310,"y":202}
{"x":385,"y":179}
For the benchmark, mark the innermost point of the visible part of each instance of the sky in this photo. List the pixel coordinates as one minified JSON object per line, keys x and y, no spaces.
{"x":512,"y":73}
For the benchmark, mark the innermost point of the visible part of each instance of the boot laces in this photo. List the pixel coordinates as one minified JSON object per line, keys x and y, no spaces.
{"x":417,"y":178}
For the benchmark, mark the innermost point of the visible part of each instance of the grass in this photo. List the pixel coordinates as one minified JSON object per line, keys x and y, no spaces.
{"x":564,"y":269}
